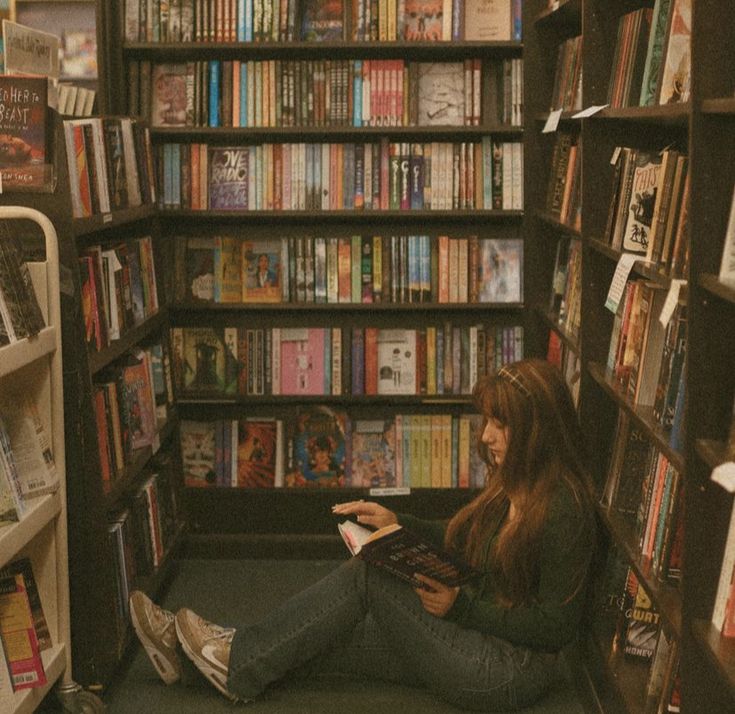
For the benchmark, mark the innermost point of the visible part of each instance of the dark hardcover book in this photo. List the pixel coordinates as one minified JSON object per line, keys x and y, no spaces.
{"x":322,"y":20}
{"x":228,"y":178}
{"x":404,"y":554}
{"x":116,"y":174}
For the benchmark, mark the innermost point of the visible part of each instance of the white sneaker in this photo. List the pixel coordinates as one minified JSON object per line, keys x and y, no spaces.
{"x":157,"y":633}
{"x":208,"y":646}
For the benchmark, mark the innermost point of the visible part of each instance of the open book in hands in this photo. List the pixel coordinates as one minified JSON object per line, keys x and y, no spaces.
{"x":404,"y":553}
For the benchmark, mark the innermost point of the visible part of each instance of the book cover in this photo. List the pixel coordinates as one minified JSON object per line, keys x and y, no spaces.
{"x":198,"y":452}
{"x":639,"y":216}
{"x":209,"y":363}
{"x":23,"y":566}
{"x":259,"y":453}
{"x":500,"y":270}
{"x":373,"y":453}
{"x":322,"y":20}
{"x":227,"y":269}
{"x":318,"y":448}
{"x":674,"y":85}
{"x":262,"y":270}
{"x":19,"y":635}
{"x":487,"y":20}
{"x":396,"y":361}
{"x":199,"y":268}
{"x":642,"y":621}
{"x":303,"y":361}
{"x":441,"y":94}
{"x":139,"y":402}
{"x":654,"y":54}
{"x":404,"y":553}
{"x":228,"y":178}
{"x":23,"y":107}
{"x":423,"y":20}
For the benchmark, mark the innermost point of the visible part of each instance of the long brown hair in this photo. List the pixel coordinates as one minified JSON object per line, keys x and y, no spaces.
{"x":544,"y":450}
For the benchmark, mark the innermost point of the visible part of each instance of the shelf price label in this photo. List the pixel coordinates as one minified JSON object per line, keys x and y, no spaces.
{"x":620,"y":278}
{"x":590,"y":111}
{"x":667,"y":309}
{"x":724,"y":475}
{"x":552,"y":121}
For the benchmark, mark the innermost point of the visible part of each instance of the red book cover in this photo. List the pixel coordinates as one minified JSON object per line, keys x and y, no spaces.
{"x":371,"y":360}
{"x":19,"y":635}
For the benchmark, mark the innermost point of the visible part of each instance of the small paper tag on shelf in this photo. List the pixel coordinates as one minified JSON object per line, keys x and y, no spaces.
{"x":667,"y":310}
{"x":552,"y":121}
{"x":617,"y":286}
{"x":590,"y":111}
{"x":616,"y":155}
{"x":391,"y":491}
{"x":156,"y":444}
{"x":107,"y":217}
{"x":724,"y":475}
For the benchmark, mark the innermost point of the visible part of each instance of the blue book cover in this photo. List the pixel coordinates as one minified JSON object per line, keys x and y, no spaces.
{"x":357,"y":94}
{"x":243,"y":94}
{"x":214,"y":82}
{"x":176,"y":173}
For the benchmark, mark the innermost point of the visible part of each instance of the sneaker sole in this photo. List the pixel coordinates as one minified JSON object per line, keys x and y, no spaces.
{"x":168,"y":670}
{"x":213,"y":675}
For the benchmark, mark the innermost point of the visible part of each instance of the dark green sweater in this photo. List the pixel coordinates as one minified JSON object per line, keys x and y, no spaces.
{"x":549,"y":622}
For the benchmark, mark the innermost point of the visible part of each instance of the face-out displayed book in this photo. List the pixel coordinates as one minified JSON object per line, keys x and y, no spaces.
{"x":403,"y":553}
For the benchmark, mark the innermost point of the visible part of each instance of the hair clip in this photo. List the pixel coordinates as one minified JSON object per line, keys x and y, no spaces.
{"x":515,"y":380}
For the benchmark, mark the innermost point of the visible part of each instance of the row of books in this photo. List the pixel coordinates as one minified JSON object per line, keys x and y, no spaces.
{"x":646,"y":357}
{"x":648,"y":212}
{"x":75,"y":100}
{"x":645,"y":489}
{"x":118,"y":288}
{"x":568,"y":362}
{"x":110,"y":164}
{"x":566,"y":290}
{"x":20,"y":314}
{"x":141,"y":535}
{"x":566,"y":92}
{"x":27,"y":468}
{"x":24,"y":630}
{"x":642,"y":639}
{"x":441,"y":359}
{"x":174,"y":21}
{"x":371,"y":176}
{"x":318,"y":446}
{"x":652,"y":62}
{"x":350,"y":269}
{"x":564,"y":192}
{"x":326,"y":92}
{"x":132,"y":400}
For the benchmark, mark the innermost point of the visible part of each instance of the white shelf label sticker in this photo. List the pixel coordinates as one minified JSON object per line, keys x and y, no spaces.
{"x":590,"y":111}
{"x":107,"y":217}
{"x":667,"y":310}
{"x":616,"y":155}
{"x":552,"y":121}
{"x":395,"y":491}
{"x":724,"y":475}
{"x":617,"y":286}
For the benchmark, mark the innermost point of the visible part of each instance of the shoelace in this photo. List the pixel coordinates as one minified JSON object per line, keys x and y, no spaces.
{"x":216,"y":632}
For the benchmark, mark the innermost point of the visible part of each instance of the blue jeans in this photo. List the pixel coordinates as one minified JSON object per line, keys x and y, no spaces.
{"x":359,"y":620}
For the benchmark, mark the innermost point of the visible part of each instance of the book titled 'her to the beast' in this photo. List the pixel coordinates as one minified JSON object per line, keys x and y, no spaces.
{"x":404,"y":554}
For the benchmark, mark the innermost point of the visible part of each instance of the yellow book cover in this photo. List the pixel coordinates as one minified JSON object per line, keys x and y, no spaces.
{"x":431,"y":360}
{"x":435,"y":454}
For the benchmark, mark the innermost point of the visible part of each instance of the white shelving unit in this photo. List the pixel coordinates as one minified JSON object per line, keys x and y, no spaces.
{"x":34,"y":367}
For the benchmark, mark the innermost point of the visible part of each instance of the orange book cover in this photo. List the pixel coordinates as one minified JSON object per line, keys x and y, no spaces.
{"x":371,"y":360}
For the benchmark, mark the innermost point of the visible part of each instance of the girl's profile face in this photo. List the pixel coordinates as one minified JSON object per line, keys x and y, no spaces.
{"x":495,"y":438}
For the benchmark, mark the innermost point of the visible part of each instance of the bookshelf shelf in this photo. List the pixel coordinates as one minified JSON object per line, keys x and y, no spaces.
{"x":28,"y":700}
{"x":720,"y":105}
{"x":102,"y":359}
{"x":712,"y":284}
{"x":558,"y":225}
{"x":311,"y":50}
{"x":380,"y":307}
{"x":640,"y":267}
{"x":666,"y":596}
{"x":712,"y":452}
{"x":91,"y":226}
{"x":459,"y":216}
{"x":674,"y":114}
{"x":718,"y":650}
{"x":41,"y":512}
{"x":344,"y":400}
{"x":567,"y":15}
{"x":18,"y":354}
{"x":642,"y":416}
{"x":343,"y":133}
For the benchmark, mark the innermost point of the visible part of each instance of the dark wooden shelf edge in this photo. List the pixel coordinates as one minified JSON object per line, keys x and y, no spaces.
{"x":667,"y":597}
{"x":343,"y":215}
{"x":654,"y":273}
{"x":712,"y":452}
{"x":568,"y":12}
{"x":719,"y":105}
{"x":319,"y":132}
{"x":719,"y":650}
{"x":712,"y":284}
{"x":344,"y":399}
{"x":100,"y":360}
{"x":87,"y":226}
{"x":677,"y":114}
{"x":641,"y":415}
{"x":567,"y":338}
{"x":554,"y":222}
{"x":346,"y":307}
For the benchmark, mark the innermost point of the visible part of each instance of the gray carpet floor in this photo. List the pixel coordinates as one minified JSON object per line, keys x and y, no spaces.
{"x":227,"y":591}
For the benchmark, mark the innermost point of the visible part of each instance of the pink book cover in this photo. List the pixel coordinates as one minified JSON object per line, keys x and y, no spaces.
{"x":302,"y":360}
